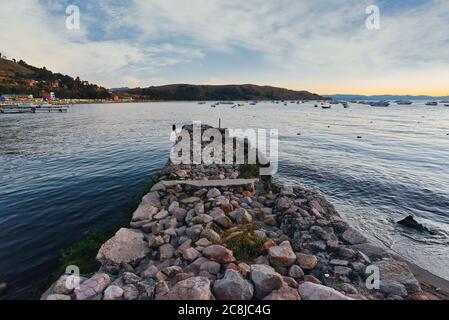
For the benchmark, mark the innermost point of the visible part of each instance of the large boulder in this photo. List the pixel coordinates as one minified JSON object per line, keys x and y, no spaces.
{"x":219,"y":254}
{"x":312,"y":291}
{"x":393,"y":271}
{"x":265,"y":280}
{"x":196,"y":288}
{"x":233,"y":287}
{"x":282,"y":255}
{"x":127,"y":246}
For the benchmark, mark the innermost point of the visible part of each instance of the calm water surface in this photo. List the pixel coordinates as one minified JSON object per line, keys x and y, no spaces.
{"x":63,"y":175}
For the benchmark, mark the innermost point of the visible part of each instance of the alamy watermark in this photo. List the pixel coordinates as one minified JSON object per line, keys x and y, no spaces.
{"x":372,"y":22}
{"x":73,"y":19}
{"x":213,"y":146}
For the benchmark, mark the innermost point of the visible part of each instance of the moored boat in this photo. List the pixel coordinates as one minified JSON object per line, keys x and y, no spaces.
{"x":379,"y":104}
{"x":404,"y":102}
{"x":432,"y":103}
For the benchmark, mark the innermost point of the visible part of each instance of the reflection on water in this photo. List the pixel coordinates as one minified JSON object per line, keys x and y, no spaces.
{"x":65,"y":174}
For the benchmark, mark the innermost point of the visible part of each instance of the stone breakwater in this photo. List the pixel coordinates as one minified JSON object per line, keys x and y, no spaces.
{"x":203,"y":233}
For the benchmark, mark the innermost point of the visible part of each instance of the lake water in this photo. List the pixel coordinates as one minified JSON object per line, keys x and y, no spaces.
{"x":65,"y":174}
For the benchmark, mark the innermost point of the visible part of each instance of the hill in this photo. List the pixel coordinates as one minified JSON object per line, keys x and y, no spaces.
{"x":187,"y":92}
{"x":22,"y":78}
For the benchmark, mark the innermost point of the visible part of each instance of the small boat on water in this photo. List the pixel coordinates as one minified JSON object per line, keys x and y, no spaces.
{"x":30,"y":108}
{"x":432,"y":103}
{"x":379,"y":104}
{"x":404,"y":102}
{"x":201,"y":102}
{"x":345,"y":105}
{"x":446,"y":105}
{"x":326,"y":106}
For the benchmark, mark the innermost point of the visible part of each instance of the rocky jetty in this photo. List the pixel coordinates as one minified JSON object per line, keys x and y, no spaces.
{"x":204,"y":233}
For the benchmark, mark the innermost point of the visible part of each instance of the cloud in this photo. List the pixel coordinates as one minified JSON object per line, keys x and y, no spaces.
{"x":297,"y":43}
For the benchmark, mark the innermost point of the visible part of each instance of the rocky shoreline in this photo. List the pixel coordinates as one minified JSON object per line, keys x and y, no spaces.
{"x":205,"y":233}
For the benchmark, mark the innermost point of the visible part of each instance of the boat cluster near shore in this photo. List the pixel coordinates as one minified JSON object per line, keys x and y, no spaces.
{"x":31,"y":108}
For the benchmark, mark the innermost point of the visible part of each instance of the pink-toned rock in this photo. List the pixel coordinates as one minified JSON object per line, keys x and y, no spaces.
{"x":284,"y":293}
{"x":265,"y":280}
{"x":196,"y":288}
{"x":306,"y":262}
{"x":282,"y":255}
{"x":219,"y":254}
{"x":190,"y":254}
{"x":93,"y":286}
{"x":267,"y":245}
{"x":312,"y":291}
{"x":127,"y":246}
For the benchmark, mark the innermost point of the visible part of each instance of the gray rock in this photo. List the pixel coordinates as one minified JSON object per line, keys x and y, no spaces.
{"x":211,"y":267}
{"x":152,"y":199}
{"x":223,"y":221}
{"x":190,"y":254}
{"x":295,"y":272}
{"x":199,"y":208}
{"x":393,"y":288}
{"x":373,"y":252}
{"x":242,"y":216}
{"x":196,"y":288}
{"x":265,"y":280}
{"x":58,"y":297}
{"x":161,"y":215}
{"x":93,"y":286}
{"x":166,"y":252}
{"x":233,"y":287}
{"x":282,"y":255}
{"x":113,"y":293}
{"x":312,"y":291}
{"x":395,"y":271}
{"x":130,"y":292}
{"x":144,"y":212}
{"x":213,"y":193}
{"x":127,"y":246}
{"x":173,"y":206}
{"x":211,"y":235}
{"x":338,"y":262}
{"x":146,"y":289}
{"x":180,"y":214}
{"x":352,"y":236}
{"x":150,"y":272}
{"x":190,"y":200}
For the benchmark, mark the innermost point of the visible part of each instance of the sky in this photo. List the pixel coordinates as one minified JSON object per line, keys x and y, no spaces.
{"x":322,"y":46}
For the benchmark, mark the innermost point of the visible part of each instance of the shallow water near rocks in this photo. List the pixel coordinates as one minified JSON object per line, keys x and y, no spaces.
{"x":65,"y":174}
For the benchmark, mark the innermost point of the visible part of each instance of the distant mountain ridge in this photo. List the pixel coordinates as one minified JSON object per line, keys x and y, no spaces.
{"x":188,"y":92}
{"x":348,"y":97}
{"x":22,"y":78}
